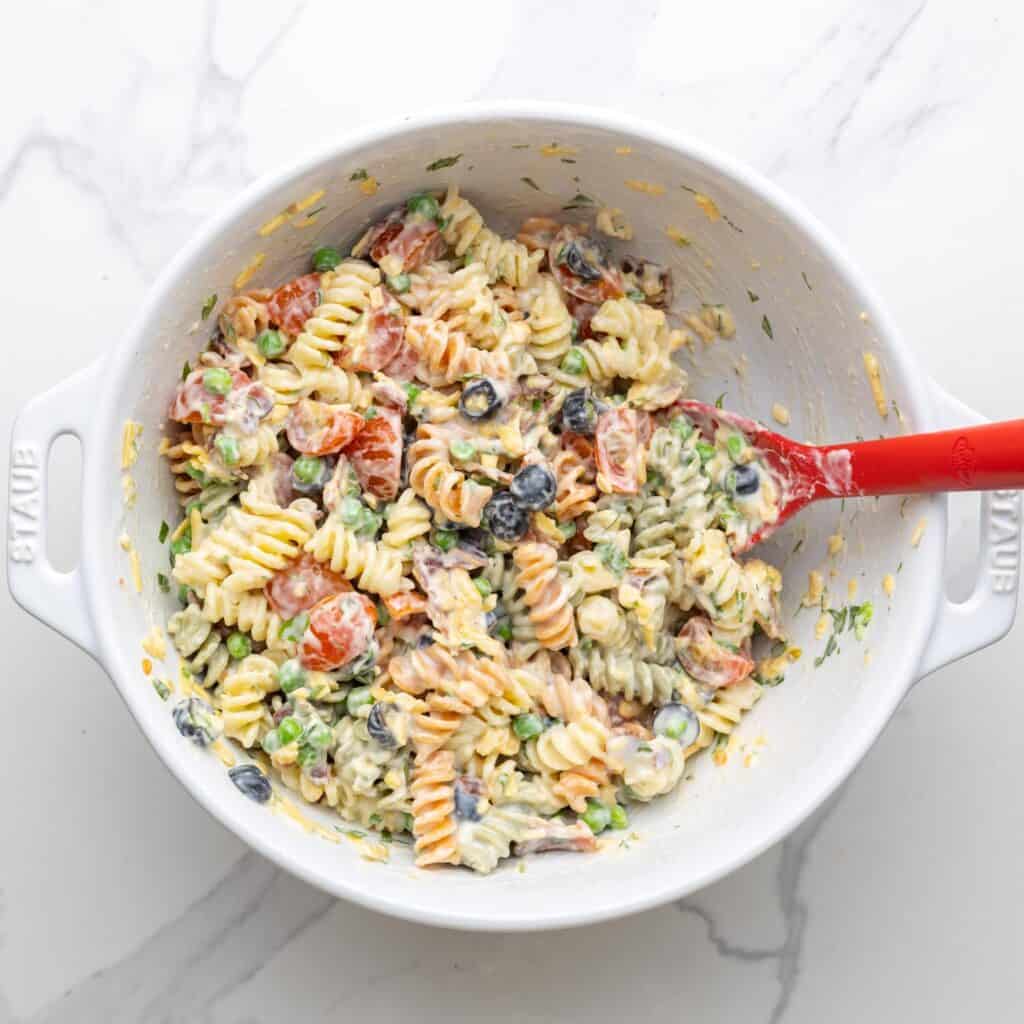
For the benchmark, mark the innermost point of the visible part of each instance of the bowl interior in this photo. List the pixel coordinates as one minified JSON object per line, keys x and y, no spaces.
{"x":803,"y":324}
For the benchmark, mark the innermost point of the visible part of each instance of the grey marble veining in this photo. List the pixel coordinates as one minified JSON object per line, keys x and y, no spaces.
{"x":121,"y":900}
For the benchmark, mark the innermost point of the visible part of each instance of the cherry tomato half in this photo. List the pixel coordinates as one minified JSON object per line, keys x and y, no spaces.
{"x":384,"y":337}
{"x":291,"y":305}
{"x":340,"y":629}
{"x":704,"y":658}
{"x":316,"y":428}
{"x":376,"y":454}
{"x":414,"y":243}
{"x":304,"y":583}
{"x":618,"y":450}
{"x":194,"y":402}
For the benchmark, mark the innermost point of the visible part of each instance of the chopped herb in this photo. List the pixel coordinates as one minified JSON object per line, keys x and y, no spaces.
{"x":163,"y":583}
{"x":612,"y":557}
{"x":521,"y":145}
{"x":903,"y":507}
{"x":162,"y":689}
{"x":531,"y":183}
{"x":838,"y":619}
{"x":208,"y":306}
{"x":443,"y":162}
{"x":636,"y":295}
{"x":313,"y":213}
{"x":352,"y":833}
{"x":185,"y":370}
{"x":566,"y":160}
{"x":752,"y":296}
{"x":766,"y":326}
{"x":899,"y":568}
{"x":412,"y":392}
{"x":375,"y":820}
{"x":720,"y":400}
{"x":358,"y":175}
{"x":861,"y":618}
{"x":896,"y":409}
{"x":830,"y":648}
{"x":806,"y":282}
{"x":536,"y":405}
{"x":164,"y":530}
{"x":577,"y":201}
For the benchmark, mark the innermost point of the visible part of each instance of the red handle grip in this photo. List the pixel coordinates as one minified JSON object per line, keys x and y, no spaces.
{"x":985,"y":458}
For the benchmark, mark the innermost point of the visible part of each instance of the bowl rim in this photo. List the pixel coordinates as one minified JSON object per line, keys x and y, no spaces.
{"x":805,"y":799}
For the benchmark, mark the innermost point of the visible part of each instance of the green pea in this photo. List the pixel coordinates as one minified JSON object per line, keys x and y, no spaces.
{"x":597,"y":816}
{"x":228,"y":448}
{"x":371,"y":413}
{"x":483,"y":586}
{"x":527,"y":726}
{"x":217,"y":380}
{"x":294,"y":628}
{"x":445,"y":539}
{"x":320,"y":735}
{"x":272,"y":741}
{"x":270,"y":343}
{"x":399,"y":283}
{"x":681,"y":427}
{"x":289,"y":730}
{"x":503,"y":631}
{"x":239,"y":646}
{"x":734,"y":445}
{"x":412,"y":392}
{"x":357,"y":698}
{"x":573,"y":362}
{"x":369,"y":523}
{"x":619,"y":817}
{"x":613,"y":557}
{"x":351,"y":511}
{"x":326,"y":258}
{"x":462,"y":450}
{"x":425,"y":205}
{"x":705,"y":451}
{"x":291,"y":675}
{"x":307,"y":468}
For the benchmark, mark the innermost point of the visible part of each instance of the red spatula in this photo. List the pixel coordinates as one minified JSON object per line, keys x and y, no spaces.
{"x":982,"y":458}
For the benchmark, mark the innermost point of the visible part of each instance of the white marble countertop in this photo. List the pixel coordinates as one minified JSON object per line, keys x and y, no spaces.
{"x":124,"y":125}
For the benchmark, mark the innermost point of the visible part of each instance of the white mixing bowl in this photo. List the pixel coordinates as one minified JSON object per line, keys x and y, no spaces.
{"x":805,"y":736}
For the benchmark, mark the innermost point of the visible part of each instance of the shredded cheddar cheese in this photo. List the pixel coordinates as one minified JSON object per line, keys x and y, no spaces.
{"x":154,"y":644}
{"x":707,"y":204}
{"x":780,"y":414}
{"x":650,"y":188}
{"x":918,"y":534}
{"x":872,"y":369}
{"x":248,"y":272}
{"x":130,"y":434}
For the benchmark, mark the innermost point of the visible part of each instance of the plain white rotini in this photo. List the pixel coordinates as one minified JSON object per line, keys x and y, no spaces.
{"x":464,"y":230}
{"x":376,"y":567}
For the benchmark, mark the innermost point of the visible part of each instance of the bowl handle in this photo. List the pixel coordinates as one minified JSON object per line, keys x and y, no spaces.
{"x":987,"y":615}
{"x":56,"y":598}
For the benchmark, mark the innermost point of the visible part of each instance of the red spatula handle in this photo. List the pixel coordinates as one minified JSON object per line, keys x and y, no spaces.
{"x":985,"y":458}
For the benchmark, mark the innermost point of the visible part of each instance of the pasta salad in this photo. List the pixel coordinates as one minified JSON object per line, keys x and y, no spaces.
{"x":452,"y":559}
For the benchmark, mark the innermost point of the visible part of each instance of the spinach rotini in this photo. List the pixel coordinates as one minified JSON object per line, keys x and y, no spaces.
{"x":453,"y":560}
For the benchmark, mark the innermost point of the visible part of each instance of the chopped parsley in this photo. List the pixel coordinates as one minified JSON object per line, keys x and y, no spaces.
{"x":443,"y":162}
{"x":163,"y":583}
{"x":830,"y":648}
{"x":766,"y":326}
{"x":531,"y":183}
{"x":612,"y":557}
{"x":577,"y":201}
{"x":752,"y":296}
{"x":806,"y":282}
{"x":164,"y":531}
{"x":358,"y":175}
{"x":208,"y":306}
